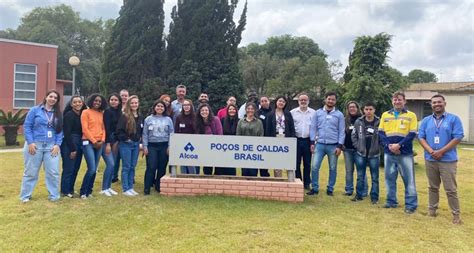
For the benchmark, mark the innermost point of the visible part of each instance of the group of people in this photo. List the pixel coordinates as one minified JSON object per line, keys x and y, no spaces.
{"x":114,"y":129}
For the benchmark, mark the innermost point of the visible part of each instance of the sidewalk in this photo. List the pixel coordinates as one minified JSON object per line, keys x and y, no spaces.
{"x":11,"y":150}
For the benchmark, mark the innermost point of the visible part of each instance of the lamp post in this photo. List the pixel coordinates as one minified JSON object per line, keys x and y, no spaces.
{"x":74,"y":62}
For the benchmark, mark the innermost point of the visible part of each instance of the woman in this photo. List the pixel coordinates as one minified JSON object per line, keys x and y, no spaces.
{"x":185,"y":124}
{"x":156,"y":134}
{"x":43,"y":130}
{"x":280,"y":123}
{"x":229,"y":127}
{"x":71,"y":148}
{"x":207,"y":123}
{"x":250,"y":125}
{"x":353,"y":112}
{"x":167,"y":100}
{"x":93,"y":138}
{"x":110,"y":149}
{"x":129,"y":132}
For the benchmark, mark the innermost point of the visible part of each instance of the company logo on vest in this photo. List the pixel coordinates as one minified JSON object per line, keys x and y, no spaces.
{"x":188,"y":148}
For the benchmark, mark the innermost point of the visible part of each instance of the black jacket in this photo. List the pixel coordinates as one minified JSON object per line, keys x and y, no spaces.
{"x":270,"y":125}
{"x":121,"y":132}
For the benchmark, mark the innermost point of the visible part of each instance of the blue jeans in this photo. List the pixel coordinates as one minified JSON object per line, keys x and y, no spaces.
{"x":129,"y":154}
{"x":321,"y":151}
{"x":116,"y":165}
{"x":32,"y":167}
{"x":70,"y":166}
{"x":92,"y":157}
{"x":405,"y":165}
{"x":349,"y":161}
{"x":188,"y":170}
{"x":156,"y":162}
{"x":109,"y":160}
{"x":361,"y":164}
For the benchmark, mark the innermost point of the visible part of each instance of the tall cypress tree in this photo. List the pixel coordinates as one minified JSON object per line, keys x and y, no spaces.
{"x":134,"y":52}
{"x":202,"y":48}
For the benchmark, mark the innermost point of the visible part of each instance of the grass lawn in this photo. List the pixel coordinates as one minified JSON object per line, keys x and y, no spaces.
{"x":20,"y":139}
{"x":216,"y":223}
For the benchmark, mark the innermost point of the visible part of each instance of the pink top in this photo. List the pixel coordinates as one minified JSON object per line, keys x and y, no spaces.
{"x":222,"y":113}
{"x":215,"y":127}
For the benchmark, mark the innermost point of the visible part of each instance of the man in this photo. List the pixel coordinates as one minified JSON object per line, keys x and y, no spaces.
{"x":439,"y":135}
{"x":177,"y":104}
{"x":366,"y":142}
{"x":202,"y":99}
{"x":327,"y":138}
{"x":302,"y":116}
{"x":262,"y":114}
{"x":124,"y":97}
{"x":251,"y":97}
{"x":222,"y":113}
{"x":397,"y":130}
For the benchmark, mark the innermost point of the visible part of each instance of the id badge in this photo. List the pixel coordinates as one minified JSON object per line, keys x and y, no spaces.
{"x":85,"y":143}
{"x":370,"y":130}
{"x":50,"y":134}
{"x":182,"y":125}
{"x":436,"y":139}
{"x":280,"y":131}
{"x":150,"y":128}
{"x":262,"y":117}
{"x":141,"y":125}
{"x":329,"y":117}
{"x":351,"y":127}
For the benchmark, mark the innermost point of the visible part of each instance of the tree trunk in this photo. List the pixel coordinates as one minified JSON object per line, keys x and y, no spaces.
{"x":11,"y":132}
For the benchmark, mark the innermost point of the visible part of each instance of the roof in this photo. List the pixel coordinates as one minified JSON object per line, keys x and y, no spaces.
{"x":28,"y":43}
{"x":442,"y":87}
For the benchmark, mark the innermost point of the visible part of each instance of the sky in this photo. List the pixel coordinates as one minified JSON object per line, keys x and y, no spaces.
{"x":433,"y":35}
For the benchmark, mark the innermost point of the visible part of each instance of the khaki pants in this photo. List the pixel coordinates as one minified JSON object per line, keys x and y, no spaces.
{"x":445,"y":172}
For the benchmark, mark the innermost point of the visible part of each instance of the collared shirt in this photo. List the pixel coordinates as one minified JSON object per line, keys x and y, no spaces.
{"x":302,"y":121}
{"x":37,"y":128}
{"x":176,"y":106}
{"x":445,"y":129}
{"x":399,"y":129}
{"x":327,"y":127}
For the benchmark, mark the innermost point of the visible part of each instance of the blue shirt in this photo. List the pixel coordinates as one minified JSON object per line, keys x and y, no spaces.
{"x":327,"y":127}
{"x":37,"y":129}
{"x":176,"y":106}
{"x":449,"y":128}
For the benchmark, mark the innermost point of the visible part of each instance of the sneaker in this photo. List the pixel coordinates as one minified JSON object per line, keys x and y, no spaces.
{"x":83,"y":196}
{"x":374,"y":202}
{"x":432,"y":213}
{"x":312,"y":192}
{"x":134,"y":192}
{"x":389,"y":206}
{"x":355,"y":199}
{"x":128,"y":193}
{"x":106,"y":193}
{"x":26,"y":200}
{"x":69,"y":195}
{"x":112,"y":191}
{"x":457,"y":220}
{"x":410,"y":211}
{"x":329,"y":193}
{"x":348,"y":193}
{"x":115,"y":180}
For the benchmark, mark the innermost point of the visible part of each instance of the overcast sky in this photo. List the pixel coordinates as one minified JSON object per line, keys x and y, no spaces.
{"x":437,"y":35}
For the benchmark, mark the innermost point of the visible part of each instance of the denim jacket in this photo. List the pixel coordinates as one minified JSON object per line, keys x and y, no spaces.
{"x":36,"y":127}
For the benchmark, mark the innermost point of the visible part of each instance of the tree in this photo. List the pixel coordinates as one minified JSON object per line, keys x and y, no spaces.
{"x":368,"y":77}
{"x":62,"y":26}
{"x":421,"y":76}
{"x":204,"y":37}
{"x":135,"y":52}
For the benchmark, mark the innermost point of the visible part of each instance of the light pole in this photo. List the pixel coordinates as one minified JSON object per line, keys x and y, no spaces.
{"x":74,"y":62}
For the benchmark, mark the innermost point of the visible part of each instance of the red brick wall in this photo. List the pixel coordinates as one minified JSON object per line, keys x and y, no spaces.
{"x":281,"y":191}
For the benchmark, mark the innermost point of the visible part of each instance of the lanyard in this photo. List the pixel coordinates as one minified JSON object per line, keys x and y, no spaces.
{"x":438,"y":123}
{"x":50,"y":119}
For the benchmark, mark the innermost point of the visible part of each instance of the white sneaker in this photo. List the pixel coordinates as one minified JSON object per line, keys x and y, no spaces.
{"x":25,"y":200}
{"x":134,"y":192}
{"x":83,"y":196}
{"x":128,"y":193}
{"x":112,"y":191}
{"x":106,"y":193}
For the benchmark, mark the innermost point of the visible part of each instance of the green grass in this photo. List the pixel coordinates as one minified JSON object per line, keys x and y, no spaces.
{"x":217,"y":223}
{"x":20,"y":139}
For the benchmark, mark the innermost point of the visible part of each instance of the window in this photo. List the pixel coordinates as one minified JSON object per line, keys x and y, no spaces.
{"x":24,"y":91}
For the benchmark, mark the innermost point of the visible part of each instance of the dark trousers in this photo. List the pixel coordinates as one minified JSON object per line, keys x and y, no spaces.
{"x":207,"y":170}
{"x":225,"y":171}
{"x":70,"y":166}
{"x":303,"y":151}
{"x":264,"y":173}
{"x":156,"y":162}
{"x":116,"y":165}
{"x":249,"y":172}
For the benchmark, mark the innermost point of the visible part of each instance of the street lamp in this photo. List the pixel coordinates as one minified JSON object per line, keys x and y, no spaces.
{"x":74,"y":62}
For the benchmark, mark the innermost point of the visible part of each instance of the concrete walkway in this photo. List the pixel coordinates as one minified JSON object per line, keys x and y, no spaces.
{"x":11,"y":150}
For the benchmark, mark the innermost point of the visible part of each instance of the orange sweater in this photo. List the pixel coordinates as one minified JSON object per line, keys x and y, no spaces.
{"x":93,"y":125}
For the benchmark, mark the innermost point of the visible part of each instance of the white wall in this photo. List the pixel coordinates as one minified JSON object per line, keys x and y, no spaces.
{"x":459,"y":105}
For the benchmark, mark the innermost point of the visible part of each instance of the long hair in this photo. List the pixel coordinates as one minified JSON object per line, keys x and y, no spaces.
{"x":275,"y":102}
{"x":348,"y":115}
{"x":69,"y":104}
{"x":200,"y":124}
{"x":191,"y":111}
{"x":168,"y":109}
{"x":119,"y":106}
{"x":229,"y":124}
{"x":130,"y":126}
{"x":57,"y":116}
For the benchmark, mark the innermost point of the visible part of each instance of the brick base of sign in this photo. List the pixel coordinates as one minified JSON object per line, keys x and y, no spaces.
{"x":259,"y":189}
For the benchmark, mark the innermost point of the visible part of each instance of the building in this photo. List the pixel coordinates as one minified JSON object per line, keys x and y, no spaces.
{"x":27,"y":72}
{"x":459,"y":97}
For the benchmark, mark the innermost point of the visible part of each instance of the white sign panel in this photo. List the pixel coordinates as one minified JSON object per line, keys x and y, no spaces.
{"x":233,"y":151}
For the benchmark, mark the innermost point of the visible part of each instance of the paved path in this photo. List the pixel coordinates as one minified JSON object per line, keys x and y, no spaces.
{"x":11,"y":150}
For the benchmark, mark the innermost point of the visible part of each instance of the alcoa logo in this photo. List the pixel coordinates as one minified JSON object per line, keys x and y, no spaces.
{"x":188,"y":148}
